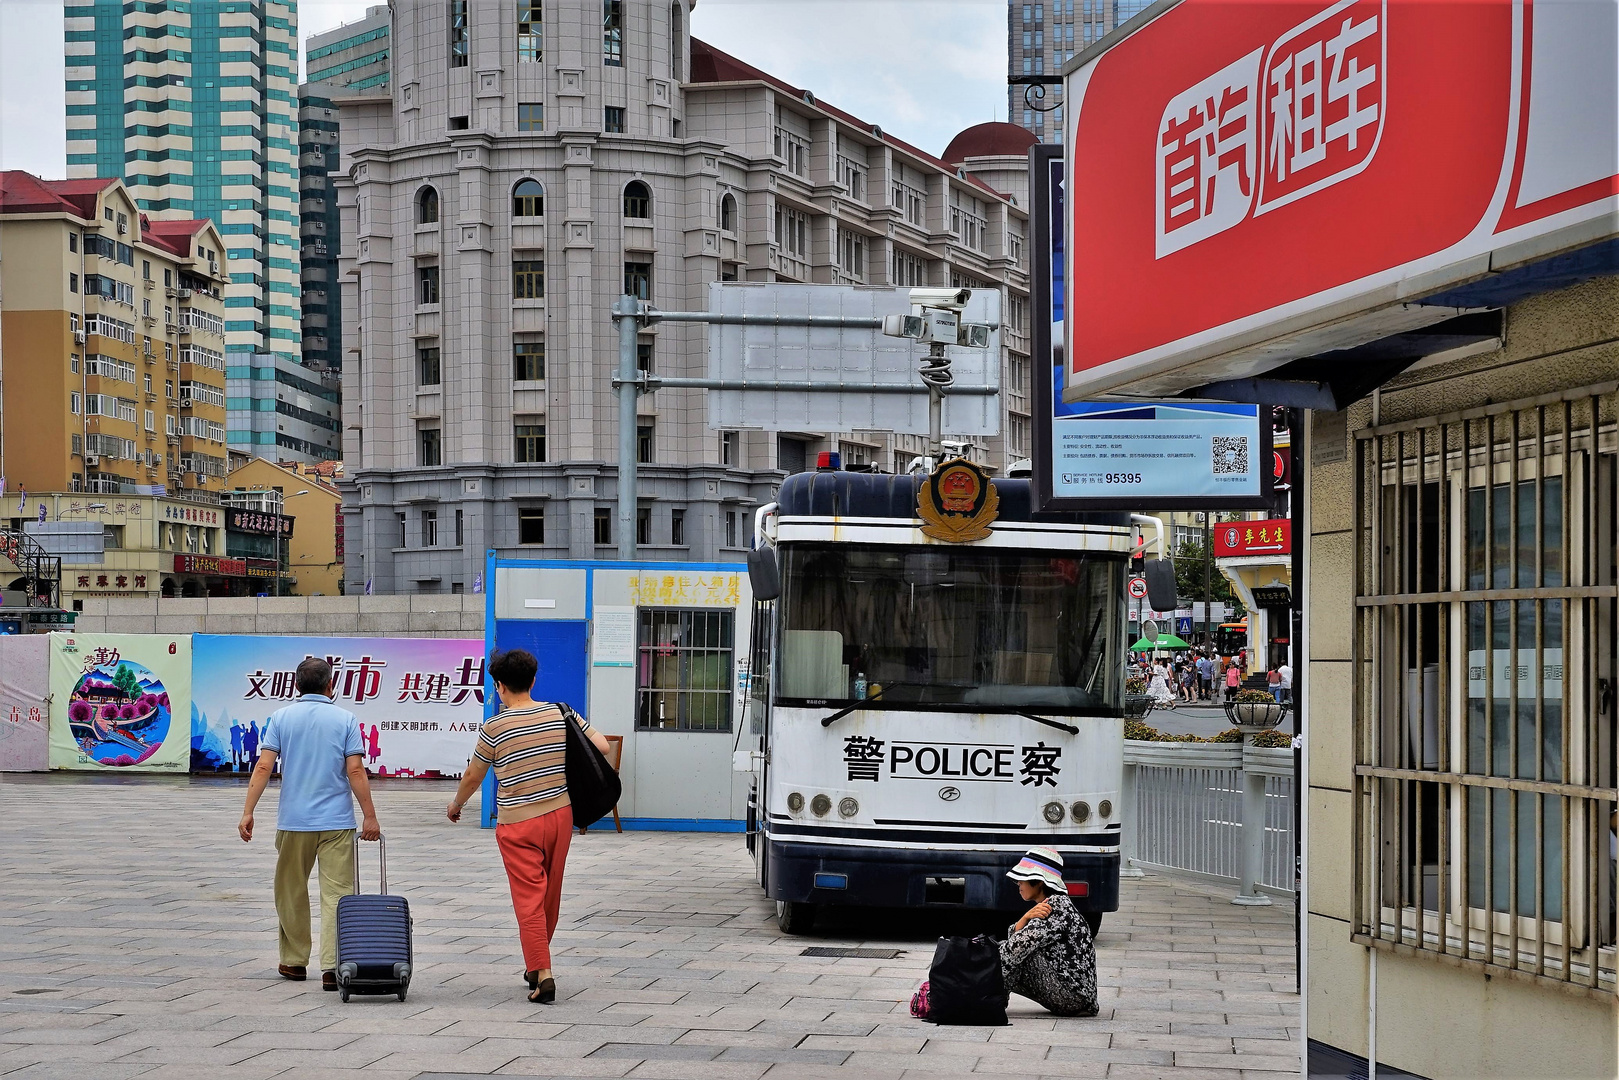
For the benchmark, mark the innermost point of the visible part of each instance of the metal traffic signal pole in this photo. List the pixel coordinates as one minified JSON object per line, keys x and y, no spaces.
{"x":631,"y":314}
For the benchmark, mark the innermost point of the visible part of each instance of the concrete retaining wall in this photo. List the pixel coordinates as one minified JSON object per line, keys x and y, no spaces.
{"x":445,"y":615}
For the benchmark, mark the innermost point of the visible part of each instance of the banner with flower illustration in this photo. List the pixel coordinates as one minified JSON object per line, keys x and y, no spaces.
{"x":120,"y":702}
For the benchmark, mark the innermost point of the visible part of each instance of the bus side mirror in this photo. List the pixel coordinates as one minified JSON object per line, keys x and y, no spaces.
{"x":1160,"y":574}
{"x":764,"y":574}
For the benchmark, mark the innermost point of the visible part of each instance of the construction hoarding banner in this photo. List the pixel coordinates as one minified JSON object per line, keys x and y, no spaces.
{"x":419,"y":700}
{"x":120,"y":702}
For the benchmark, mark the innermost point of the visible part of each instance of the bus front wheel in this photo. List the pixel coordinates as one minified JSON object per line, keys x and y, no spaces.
{"x":793,"y":917}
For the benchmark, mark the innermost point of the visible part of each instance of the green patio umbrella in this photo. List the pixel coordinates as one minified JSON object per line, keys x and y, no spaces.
{"x":1165,"y":641}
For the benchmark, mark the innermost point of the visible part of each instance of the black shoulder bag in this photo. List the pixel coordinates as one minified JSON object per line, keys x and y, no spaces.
{"x":593,"y":784}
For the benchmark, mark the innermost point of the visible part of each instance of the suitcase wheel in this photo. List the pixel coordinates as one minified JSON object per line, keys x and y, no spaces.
{"x":343,"y":993}
{"x":401,"y":993}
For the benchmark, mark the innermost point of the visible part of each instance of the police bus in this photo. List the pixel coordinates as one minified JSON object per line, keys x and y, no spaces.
{"x":936,"y":686}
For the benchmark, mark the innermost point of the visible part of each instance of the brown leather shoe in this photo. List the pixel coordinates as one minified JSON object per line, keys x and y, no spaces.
{"x":328,"y":980}
{"x":296,"y":974}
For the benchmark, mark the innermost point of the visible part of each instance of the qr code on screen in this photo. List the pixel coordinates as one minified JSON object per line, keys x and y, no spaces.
{"x":1230,"y":455}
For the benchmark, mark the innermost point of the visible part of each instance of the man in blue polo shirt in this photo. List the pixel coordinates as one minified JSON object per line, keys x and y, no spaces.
{"x":322,"y":773}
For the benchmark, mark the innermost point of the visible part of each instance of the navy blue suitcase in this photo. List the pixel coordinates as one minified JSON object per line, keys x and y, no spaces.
{"x":373,"y":937}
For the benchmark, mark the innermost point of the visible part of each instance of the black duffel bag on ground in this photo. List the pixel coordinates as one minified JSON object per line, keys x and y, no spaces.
{"x":965,"y":984}
{"x":593,"y":784}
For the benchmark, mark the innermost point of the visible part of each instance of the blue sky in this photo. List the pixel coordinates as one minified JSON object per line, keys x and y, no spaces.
{"x":922,"y":69}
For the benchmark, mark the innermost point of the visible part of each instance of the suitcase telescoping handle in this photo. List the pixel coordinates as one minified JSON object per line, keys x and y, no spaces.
{"x":382,"y":853}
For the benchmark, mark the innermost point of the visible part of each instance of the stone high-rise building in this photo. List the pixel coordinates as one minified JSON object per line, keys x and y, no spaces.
{"x":529,"y":164}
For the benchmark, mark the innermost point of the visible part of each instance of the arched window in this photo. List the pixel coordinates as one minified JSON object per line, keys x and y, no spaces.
{"x":677,"y":41}
{"x":728,"y":212}
{"x":426,"y":206}
{"x":528,"y":199}
{"x":637,"y":200}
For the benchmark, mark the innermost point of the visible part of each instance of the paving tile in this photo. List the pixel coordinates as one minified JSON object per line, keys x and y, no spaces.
{"x":669,"y":965}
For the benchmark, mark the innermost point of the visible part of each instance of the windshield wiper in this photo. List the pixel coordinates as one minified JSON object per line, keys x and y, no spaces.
{"x":828,"y":721}
{"x":1070,"y":728}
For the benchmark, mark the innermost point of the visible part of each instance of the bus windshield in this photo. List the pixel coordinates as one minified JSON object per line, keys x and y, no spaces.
{"x":960,"y":628}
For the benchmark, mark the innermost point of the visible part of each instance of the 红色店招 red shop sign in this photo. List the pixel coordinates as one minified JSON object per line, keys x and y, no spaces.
{"x":1241,"y":172}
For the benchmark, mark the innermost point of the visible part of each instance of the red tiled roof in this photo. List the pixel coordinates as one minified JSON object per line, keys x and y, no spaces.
{"x":710,"y":65}
{"x":24,"y":193}
{"x":172,"y":235}
{"x":990,"y":140}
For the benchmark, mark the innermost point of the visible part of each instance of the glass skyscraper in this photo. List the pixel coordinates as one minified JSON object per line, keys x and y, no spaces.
{"x":194,"y":106}
{"x":1041,"y":38}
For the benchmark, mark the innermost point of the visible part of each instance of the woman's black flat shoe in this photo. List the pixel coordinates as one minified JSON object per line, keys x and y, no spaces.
{"x":544,"y":993}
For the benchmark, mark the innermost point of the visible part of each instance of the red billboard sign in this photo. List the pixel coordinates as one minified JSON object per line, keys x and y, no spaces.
{"x":1271,"y":536}
{"x":1240,"y":173}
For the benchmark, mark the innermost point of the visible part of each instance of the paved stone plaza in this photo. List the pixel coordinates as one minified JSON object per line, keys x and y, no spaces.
{"x":137,"y":939}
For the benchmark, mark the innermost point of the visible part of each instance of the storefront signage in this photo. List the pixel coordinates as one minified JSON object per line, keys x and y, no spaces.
{"x":260,"y":568}
{"x":210,"y":564}
{"x":191,"y":515}
{"x":1273,"y":596}
{"x":258,"y":522}
{"x":1271,"y":536}
{"x":1241,"y":172}
{"x":111,"y":579}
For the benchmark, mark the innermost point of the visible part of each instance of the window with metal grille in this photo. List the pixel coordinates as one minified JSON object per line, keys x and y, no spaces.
{"x":530,"y":440}
{"x":528,"y":361}
{"x":530,"y":31}
{"x":613,"y":33}
{"x":1485,"y":585}
{"x":528,"y":279}
{"x":613,"y":124}
{"x":458,"y":33}
{"x":683,"y":669}
{"x":604,"y":525}
{"x":427,"y":366}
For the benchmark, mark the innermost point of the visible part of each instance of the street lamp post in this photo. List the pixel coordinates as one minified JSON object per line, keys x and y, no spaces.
{"x":278,"y":539}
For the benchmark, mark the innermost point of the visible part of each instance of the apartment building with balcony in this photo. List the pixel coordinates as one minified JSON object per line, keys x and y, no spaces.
{"x":528,"y":165}
{"x":112,"y":329}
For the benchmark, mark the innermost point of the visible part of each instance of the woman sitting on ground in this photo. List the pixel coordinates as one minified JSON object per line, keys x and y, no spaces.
{"x":1049,"y":955}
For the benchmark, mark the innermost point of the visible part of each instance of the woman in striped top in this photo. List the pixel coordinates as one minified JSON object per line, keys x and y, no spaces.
{"x":526,"y":744}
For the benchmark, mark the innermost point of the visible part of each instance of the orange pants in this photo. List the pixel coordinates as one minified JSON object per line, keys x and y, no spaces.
{"x":534,"y":852}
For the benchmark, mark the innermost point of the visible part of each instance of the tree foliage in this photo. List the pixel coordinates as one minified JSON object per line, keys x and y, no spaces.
{"x":1189,"y":576}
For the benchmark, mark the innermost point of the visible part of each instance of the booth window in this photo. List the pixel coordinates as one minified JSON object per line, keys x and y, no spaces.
{"x":683,"y":671}
{"x":1485,"y":587}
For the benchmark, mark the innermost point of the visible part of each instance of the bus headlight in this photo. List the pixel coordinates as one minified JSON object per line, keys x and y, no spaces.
{"x":848,"y":807}
{"x":1081,"y":812}
{"x":795,"y":802}
{"x":1053,"y":812}
{"x":1105,"y":808}
{"x":821,"y":805}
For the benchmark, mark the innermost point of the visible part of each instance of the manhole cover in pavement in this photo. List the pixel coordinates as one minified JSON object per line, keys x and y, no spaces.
{"x":853,"y":954}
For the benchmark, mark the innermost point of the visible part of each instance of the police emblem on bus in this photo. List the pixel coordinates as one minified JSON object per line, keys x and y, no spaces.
{"x":957,"y":502}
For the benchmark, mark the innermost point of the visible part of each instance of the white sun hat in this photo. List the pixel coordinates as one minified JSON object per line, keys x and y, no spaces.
{"x":1042,"y":865}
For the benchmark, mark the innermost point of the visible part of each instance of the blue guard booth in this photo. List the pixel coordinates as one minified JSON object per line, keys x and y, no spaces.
{"x":654,"y":652}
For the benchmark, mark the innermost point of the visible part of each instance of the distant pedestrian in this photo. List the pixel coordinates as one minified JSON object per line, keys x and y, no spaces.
{"x":322,"y":773}
{"x":1159,"y":688}
{"x":1233,"y":680}
{"x":1286,"y":672}
{"x":1049,"y":955}
{"x":1205,"y":675}
{"x":526,"y":744}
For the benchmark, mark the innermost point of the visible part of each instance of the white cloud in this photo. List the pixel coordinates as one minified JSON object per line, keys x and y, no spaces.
{"x":922,"y":69}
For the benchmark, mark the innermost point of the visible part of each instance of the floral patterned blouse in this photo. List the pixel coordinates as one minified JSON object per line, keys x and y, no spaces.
{"x":1053,"y":960}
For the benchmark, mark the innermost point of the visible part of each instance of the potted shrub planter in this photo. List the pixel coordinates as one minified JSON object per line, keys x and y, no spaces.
{"x":1255,"y":710}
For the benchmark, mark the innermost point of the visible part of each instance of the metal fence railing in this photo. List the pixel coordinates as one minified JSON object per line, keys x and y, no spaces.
{"x":1220,"y":812}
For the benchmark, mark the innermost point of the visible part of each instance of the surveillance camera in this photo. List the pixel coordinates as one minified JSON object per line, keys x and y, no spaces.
{"x":952,"y":299}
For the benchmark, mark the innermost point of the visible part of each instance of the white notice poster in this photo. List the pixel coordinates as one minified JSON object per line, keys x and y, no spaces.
{"x":615,"y":637}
